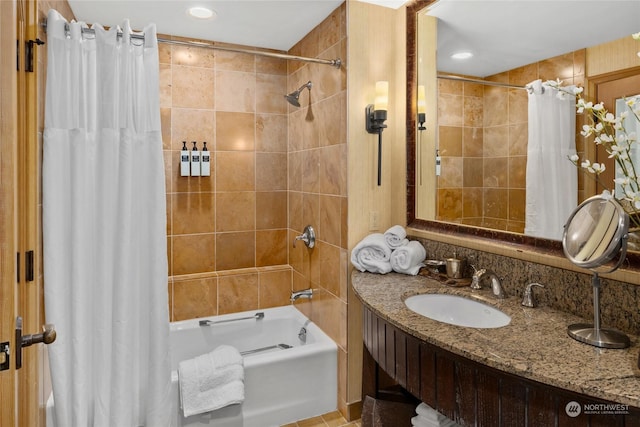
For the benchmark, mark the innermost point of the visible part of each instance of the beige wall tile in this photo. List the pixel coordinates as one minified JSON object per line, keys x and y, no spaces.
{"x":270,"y":92}
{"x":192,"y":87}
{"x":275,"y":288}
{"x":235,"y":250}
{"x":235,"y":131}
{"x":330,"y":219}
{"x":235,"y":171}
{"x":192,"y":56}
{"x":271,"y":171}
{"x":271,"y":247}
{"x":237,"y":293}
{"x":192,"y":213}
{"x":271,"y":133}
{"x":234,"y":61}
{"x":193,"y":253}
{"x":333,"y":169}
{"x":235,"y":211}
{"x":235,"y":91}
{"x":189,"y":124}
{"x":271,"y":210}
{"x":195,"y":298}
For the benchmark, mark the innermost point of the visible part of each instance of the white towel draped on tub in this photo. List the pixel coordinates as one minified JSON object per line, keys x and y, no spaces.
{"x":396,"y":236}
{"x":211,"y":381}
{"x":408,"y":259}
{"x":372,"y":254}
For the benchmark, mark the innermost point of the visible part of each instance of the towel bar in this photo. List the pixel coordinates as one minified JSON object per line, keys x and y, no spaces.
{"x":207,"y":322}
{"x":271,"y":347}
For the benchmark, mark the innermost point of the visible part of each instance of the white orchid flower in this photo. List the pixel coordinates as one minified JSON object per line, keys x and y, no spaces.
{"x":599,"y":107}
{"x":622,"y":181}
{"x":586,"y":130}
{"x":597,"y":168}
{"x":635,"y":36}
{"x":574,"y":158}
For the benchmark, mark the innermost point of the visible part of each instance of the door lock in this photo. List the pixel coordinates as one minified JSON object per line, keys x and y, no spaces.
{"x":47,"y":337}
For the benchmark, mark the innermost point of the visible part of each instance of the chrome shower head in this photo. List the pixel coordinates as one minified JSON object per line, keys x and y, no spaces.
{"x":292,"y":98}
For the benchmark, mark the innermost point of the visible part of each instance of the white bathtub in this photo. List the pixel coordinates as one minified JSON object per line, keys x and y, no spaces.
{"x":281,"y":385}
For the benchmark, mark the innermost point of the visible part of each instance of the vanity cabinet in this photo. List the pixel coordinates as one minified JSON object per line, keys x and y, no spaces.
{"x":469,"y":392}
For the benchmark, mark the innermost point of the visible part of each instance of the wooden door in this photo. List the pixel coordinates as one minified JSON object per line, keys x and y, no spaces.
{"x":608,"y":89}
{"x":20,"y":287}
{"x":8,"y":184}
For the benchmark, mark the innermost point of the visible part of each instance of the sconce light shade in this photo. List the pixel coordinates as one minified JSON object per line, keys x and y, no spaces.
{"x":376,"y":115}
{"x":422,"y":107}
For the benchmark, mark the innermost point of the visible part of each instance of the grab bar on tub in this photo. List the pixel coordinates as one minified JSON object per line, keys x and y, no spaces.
{"x":207,"y":322}
{"x":271,"y":347}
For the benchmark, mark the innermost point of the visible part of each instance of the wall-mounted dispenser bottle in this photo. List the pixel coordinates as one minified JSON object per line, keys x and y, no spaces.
{"x":205,"y":160}
{"x":184,"y":160}
{"x":195,"y":160}
{"x":438,"y":163}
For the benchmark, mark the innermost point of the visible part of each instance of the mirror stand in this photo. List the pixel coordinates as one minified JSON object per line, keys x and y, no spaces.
{"x":593,"y":334}
{"x":594,"y":235}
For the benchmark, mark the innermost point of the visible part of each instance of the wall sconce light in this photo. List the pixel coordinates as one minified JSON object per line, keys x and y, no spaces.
{"x":422,"y":108}
{"x":375,"y":116}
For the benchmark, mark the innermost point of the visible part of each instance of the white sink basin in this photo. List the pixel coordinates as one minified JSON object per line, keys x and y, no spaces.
{"x":457,"y":310}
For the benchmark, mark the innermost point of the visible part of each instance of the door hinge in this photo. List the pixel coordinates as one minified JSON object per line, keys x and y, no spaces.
{"x":28,"y":54}
{"x":28,"y":266}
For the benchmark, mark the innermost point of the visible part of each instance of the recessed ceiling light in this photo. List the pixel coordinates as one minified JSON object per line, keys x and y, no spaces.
{"x":462,"y":55}
{"x":201,"y":12}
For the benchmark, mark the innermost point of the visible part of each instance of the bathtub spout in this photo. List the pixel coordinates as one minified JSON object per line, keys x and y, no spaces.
{"x":306,"y":293}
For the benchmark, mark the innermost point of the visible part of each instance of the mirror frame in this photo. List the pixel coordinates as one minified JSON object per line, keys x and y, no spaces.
{"x":526,"y":243}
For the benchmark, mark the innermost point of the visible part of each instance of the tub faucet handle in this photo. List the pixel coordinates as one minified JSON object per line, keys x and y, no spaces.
{"x":308,"y":236}
{"x":527,"y":299}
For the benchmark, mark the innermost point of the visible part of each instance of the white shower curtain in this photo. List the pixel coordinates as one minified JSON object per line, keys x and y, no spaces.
{"x":104,"y":228}
{"x":552,"y":180}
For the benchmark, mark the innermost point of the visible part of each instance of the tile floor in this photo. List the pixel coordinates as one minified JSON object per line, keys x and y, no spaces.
{"x":332,"y":419}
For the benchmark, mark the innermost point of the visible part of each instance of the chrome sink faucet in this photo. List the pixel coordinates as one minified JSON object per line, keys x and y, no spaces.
{"x":496,"y":285}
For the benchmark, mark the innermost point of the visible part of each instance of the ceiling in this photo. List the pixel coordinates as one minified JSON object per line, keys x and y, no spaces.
{"x":502,"y":34}
{"x":506,"y":34}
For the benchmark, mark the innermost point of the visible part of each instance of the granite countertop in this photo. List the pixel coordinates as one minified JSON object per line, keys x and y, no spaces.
{"x":535,"y":345}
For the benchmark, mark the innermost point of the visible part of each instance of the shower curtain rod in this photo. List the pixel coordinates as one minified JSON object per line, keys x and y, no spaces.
{"x":483,"y":82}
{"x":334,"y":62}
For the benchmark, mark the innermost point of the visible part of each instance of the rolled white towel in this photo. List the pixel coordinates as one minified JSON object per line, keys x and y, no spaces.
{"x":372,"y":254}
{"x":429,"y":417}
{"x":408,"y":259}
{"x":396,"y":236}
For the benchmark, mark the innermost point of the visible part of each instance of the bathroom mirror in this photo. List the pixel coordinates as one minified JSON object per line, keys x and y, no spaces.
{"x":421,"y":204}
{"x":594,"y":235}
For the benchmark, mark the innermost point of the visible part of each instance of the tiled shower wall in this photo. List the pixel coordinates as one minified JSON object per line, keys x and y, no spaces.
{"x":318,"y":182}
{"x":227,"y":233}
{"x":275,"y":169}
{"x":483,"y":143}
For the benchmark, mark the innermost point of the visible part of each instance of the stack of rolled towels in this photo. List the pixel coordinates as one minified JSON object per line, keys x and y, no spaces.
{"x":429,"y":417}
{"x":389,"y":251}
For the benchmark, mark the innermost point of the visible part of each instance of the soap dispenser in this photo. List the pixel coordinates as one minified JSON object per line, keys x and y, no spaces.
{"x":195,"y":160}
{"x":205,"y":161}
{"x":184,"y":160}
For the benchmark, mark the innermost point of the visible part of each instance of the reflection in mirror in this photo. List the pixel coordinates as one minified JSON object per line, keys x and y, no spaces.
{"x":479,"y":133}
{"x":595,"y":234}
{"x":631,"y":126}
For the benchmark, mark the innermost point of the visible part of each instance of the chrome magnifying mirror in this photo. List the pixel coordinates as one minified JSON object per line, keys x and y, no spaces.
{"x":594,"y":235}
